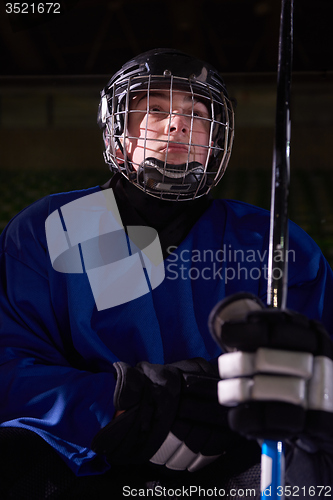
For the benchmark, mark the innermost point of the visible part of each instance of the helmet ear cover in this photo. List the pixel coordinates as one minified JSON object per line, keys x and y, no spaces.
{"x":160,"y":70}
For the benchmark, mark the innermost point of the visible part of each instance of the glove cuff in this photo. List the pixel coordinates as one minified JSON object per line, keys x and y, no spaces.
{"x":129,"y":386}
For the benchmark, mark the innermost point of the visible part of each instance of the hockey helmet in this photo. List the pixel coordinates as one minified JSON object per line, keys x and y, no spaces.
{"x":171,"y":71}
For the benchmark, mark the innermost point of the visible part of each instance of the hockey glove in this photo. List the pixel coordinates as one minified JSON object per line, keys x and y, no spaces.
{"x":277,"y":371}
{"x":172,"y":416}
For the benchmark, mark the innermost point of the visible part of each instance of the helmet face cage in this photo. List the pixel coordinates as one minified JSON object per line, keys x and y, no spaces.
{"x":203,"y":162}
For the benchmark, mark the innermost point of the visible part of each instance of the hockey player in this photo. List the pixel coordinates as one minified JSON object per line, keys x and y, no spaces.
{"x":106,"y":357}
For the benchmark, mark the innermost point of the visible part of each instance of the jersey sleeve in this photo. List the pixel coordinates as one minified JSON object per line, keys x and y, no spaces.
{"x":45,"y":386}
{"x":310,"y":279}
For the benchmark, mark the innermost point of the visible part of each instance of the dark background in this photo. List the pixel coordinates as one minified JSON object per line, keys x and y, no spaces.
{"x":52,"y":67}
{"x":96,"y":36}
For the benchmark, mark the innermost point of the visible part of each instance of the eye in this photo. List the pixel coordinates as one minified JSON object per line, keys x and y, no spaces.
{"x":154,"y":108}
{"x":157,"y":112}
{"x":200,"y":113}
{"x":200,"y":110}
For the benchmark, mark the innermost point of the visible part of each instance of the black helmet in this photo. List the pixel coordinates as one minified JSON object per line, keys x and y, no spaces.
{"x":168,"y":70}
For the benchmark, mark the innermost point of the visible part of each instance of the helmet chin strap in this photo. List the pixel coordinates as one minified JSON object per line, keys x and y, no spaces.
{"x":156,"y":175}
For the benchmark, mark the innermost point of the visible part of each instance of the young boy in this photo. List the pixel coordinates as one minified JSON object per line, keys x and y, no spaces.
{"x":105,"y":296}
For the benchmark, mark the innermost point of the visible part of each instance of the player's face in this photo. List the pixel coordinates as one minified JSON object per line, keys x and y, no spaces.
{"x":175,"y":133}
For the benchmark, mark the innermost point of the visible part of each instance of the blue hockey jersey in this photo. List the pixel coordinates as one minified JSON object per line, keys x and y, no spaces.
{"x":57,"y":348}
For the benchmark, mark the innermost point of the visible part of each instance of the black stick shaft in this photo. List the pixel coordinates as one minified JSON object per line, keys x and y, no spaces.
{"x":278,"y":237}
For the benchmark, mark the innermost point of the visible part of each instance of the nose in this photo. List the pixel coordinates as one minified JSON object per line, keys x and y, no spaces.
{"x":179,"y":124}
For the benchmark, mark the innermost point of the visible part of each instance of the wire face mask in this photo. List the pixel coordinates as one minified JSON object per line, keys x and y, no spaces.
{"x":170,"y":135}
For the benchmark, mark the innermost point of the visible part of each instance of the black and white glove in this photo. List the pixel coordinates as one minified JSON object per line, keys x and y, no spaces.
{"x":277,"y":371}
{"x":172,"y":416}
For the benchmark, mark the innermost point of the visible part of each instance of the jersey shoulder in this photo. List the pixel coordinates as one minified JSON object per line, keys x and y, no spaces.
{"x":239,"y":208}
{"x":254,"y":214}
{"x":239,"y":216}
{"x":27,"y":228}
{"x":254,"y":222}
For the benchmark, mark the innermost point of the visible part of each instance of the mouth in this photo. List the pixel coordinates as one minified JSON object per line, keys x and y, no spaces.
{"x":175,"y":148}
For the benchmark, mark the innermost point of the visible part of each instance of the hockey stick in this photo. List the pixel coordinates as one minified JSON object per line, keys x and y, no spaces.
{"x":272,"y":474}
